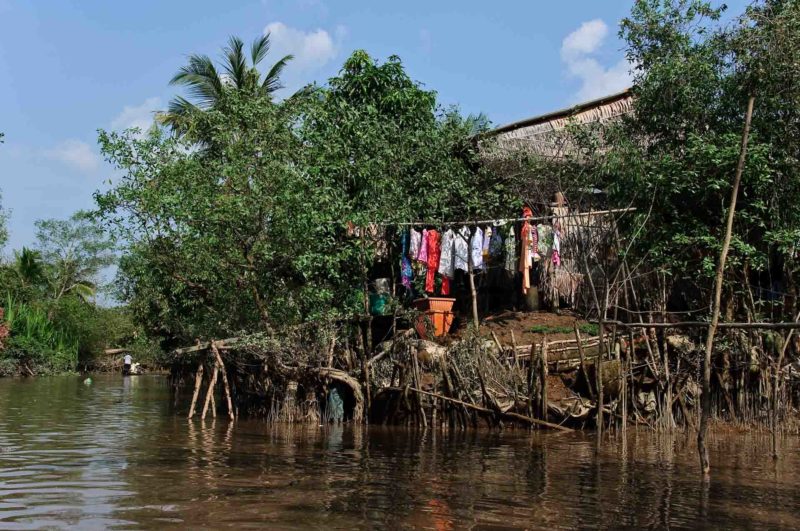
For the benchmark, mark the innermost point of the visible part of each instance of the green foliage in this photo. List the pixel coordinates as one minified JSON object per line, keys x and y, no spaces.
{"x":35,"y":341}
{"x":249,"y":232}
{"x":674,"y":157}
{"x":208,"y":85}
{"x":75,"y":251}
{"x":3,"y":218}
{"x":47,"y":291}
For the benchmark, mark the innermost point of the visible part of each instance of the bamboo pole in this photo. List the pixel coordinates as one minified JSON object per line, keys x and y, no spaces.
{"x":705,"y":465}
{"x":530,"y":380}
{"x":508,"y":414}
{"x":198,"y":381}
{"x":225,"y":384}
{"x":473,"y":292}
{"x":543,"y":382}
{"x":775,"y":386}
{"x":210,"y":390}
{"x":583,"y":361}
{"x":704,"y":324}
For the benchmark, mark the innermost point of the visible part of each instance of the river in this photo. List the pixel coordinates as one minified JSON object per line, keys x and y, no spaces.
{"x":115,"y":454}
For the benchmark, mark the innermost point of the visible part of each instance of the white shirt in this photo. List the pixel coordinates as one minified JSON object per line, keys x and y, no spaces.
{"x":462,"y":249}
{"x":477,"y":249}
{"x":128,"y":359}
{"x":446,"y":260}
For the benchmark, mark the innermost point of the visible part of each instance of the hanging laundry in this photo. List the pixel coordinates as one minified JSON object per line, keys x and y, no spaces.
{"x":476,"y":247}
{"x":416,"y":238}
{"x":496,"y":245}
{"x":433,"y":252}
{"x":461,"y":260}
{"x":545,"y":239}
{"x":525,"y":254}
{"x":447,"y":260}
{"x":511,"y":249}
{"x":556,"y":256}
{"x":487,"y":236}
{"x":406,"y":271}
{"x":422,"y":256}
{"x":445,"y":286}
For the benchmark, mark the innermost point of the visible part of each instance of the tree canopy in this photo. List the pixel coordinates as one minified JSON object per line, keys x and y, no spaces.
{"x":251,"y":231}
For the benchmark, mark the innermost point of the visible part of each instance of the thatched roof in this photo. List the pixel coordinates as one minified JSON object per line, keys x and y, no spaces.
{"x":542,"y":134}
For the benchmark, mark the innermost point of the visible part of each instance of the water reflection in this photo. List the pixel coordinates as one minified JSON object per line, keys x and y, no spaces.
{"x":116,"y":454}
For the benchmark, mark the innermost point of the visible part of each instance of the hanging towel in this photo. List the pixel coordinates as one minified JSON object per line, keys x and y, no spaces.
{"x":406,"y":272}
{"x":433,"y":252}
{"x":416,"y":238}
{"x":462,"y":249}
{"x":447,"y":260}
{"x":422,"y":256}
{"x":476,"y":247}
{"x":511,"y":250}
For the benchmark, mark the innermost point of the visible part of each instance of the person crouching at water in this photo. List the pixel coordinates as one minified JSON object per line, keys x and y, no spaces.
{"x":126,"y":366}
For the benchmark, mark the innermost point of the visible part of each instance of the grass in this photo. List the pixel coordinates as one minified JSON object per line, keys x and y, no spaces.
{"x":586,"y":328}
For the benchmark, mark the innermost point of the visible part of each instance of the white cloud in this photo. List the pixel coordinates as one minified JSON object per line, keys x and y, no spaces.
{"x":311,"y":49}
{"x":578,"y":51}
{"x":75,"y":153}
{"x":584,"y":40}
{"x":140,"y":116}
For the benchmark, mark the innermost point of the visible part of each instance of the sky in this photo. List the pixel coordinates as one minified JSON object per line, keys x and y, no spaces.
{"x":69,"y":68}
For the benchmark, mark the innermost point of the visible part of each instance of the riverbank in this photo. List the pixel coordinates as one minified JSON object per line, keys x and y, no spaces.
{"x":517,"y":369}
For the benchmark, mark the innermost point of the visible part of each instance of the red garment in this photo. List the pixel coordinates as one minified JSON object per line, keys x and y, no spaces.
{"x":434,"y":246}
{"x":445,"y":286}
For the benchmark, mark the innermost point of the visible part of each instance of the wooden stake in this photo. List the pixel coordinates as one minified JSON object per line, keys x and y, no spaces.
{"x":775,"y":386}
{"x":475,"y":321}
{"x":705,"y":464}
{"x":225,"y":384}
{"x":543,"y":376}
{"x":210,"y":391}
{"x":583,"y":360}
{"x":198,"y":381}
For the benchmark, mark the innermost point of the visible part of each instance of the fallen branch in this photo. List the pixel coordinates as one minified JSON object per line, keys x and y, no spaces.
{"x":509,"y":415}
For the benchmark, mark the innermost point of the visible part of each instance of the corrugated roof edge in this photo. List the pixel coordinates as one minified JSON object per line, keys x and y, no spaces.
{"x":558,"y":114}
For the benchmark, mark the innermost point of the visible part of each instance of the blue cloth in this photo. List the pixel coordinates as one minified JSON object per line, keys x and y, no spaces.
{"x":406,"y":271}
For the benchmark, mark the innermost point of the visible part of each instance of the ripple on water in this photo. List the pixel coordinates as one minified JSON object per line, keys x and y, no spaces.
{"x":117,"y":455}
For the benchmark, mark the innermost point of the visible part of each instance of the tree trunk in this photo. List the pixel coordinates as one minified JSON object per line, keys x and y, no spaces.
{"x":705,"y":465}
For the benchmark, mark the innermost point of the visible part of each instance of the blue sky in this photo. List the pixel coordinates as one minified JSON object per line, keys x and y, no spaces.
{"x":68,"y":68}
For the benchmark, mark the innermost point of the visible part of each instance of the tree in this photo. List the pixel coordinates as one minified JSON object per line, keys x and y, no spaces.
{"x":3,"y":222}
{"x":250,"y":233}
{"x":206,"y":83}
{"x":75,"y":251}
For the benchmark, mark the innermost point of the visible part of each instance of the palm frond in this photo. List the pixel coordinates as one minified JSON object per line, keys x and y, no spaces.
{"x":272,"y":81}
{"x":84,"y":290}
{"x":235,"y":64}
{"x":202,"y":80}
{"x":259,"y":49}
{"x":177,"y":116}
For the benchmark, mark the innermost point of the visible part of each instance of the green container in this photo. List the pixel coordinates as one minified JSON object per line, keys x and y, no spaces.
{"x":379,"y":303}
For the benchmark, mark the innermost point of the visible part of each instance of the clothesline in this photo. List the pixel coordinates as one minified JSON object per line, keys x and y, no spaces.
{"x":505,"y":220}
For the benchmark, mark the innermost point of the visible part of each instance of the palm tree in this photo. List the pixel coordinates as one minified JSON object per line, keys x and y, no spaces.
{"x":28,"y":265}
{"x":206,"y":83}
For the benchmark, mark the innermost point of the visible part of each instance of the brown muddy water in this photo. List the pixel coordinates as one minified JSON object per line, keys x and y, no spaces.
{"x":115,"y":454}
